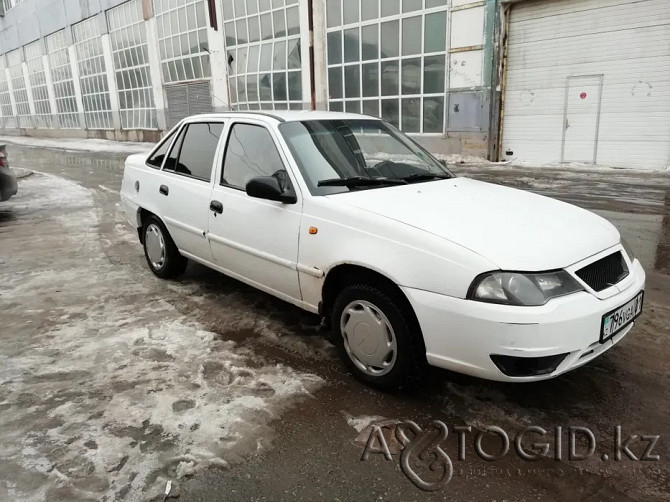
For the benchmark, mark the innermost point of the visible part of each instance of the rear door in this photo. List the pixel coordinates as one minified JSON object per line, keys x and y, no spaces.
{"x":186,"y":186}
{"x":253,"y":239}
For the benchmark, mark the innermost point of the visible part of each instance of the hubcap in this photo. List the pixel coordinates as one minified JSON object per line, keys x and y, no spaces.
{"x":369,"y":339}
{"x":155,"y":244}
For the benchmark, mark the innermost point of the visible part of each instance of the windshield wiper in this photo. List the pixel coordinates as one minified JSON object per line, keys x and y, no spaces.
{"x":353,"y":181}
{"x":426,"y":176}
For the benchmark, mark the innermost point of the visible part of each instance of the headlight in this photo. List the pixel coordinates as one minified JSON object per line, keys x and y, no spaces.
{"x":515,"y":288}
{"x":628,"y":250}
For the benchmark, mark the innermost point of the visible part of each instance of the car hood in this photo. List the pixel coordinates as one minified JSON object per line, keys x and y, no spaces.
{"x":515,"y":229}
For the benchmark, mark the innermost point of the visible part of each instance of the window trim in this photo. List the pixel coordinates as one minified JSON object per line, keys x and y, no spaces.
{"x":172,"y":145}
{"x":225,"y":153}
{"x":175,"y":130}
{"x":183,"y":126}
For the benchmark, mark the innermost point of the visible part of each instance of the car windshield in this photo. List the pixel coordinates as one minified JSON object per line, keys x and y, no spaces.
{"x":337,"y":156}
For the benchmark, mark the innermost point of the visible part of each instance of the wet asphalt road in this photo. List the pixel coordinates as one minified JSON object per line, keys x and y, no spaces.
{"x":309,"y":447}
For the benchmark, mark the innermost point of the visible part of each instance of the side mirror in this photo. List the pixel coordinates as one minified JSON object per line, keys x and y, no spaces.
{"x":267,"y":187}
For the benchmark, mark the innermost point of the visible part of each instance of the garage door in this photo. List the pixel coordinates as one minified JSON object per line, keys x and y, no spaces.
{"x":588,"y":82}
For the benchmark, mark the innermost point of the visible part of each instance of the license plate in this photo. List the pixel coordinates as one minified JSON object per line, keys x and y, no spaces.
{"x":619,"y":318}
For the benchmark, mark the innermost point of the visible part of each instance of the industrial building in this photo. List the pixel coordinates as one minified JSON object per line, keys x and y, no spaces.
{"x":588,"y":82}
{"x":538,"y":81}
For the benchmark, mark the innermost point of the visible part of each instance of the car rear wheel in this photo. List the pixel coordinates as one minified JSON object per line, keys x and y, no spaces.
{"x":377,"y":337}
{"x":161,"y":253}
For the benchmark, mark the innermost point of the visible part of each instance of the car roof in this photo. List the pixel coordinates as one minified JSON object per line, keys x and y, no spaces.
{"x":287,"y":115}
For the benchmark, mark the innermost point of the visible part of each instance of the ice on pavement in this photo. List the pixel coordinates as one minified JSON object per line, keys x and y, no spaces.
{"x":361,"y":422}
{"x":109,"y":392}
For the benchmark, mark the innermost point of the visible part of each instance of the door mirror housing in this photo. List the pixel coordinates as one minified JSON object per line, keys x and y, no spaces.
{"x":267,"y":187}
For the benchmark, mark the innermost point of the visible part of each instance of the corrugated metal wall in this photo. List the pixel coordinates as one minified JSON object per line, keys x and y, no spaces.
{"x":187,"y":99}
{"x":628,"y":43}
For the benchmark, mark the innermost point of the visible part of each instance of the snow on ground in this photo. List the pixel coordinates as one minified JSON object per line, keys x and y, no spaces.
{"x":457,"y":158}
{"x":474,"y":161}
{"x":105,"y":391}
{"x":478,"y":163}
{"x":86,"y":145}
{"x":582,"y":166}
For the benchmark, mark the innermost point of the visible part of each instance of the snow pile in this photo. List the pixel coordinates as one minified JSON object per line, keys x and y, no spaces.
{"x":579,"y":166}
{"x":86,"y":145}
{"x":362,"y":422}
{"x":457,"y":158}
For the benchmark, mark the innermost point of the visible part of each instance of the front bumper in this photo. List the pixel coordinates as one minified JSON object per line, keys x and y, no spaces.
{"x":461,"y":335}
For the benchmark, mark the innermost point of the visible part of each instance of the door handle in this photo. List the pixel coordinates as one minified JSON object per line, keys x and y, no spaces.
{"x":164,"y":190}
{"x":216,"y":206}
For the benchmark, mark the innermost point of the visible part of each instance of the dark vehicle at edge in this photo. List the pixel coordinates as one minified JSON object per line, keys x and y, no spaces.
{"x":8,"y":183}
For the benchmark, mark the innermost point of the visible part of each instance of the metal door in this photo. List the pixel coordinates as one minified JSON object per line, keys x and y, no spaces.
{"x":581,"y":118}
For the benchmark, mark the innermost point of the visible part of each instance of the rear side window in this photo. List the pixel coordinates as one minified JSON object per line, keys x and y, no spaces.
{"x":156,"y":160}
{"x":193,"y":153}
{"x":251,"y":152}
{"x":171,"y":161}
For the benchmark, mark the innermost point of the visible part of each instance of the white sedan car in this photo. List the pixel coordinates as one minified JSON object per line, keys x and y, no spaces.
{"x":344,"y":216}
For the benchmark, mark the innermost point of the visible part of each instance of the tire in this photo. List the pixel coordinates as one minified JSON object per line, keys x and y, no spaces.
{"x":161,"y":253}
{"x":401,"y":361}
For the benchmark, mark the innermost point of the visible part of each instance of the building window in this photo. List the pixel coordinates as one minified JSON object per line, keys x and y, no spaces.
{"x":263,"y":44}
{"x":131,"y":66}
{"x":61,"y":77}
{"x":8,"y":118}
{"x":92,"y":74}
{"x":38,"y":84}
{"x":182,"y":40}
{"x":388,"y":59}
{"x":19,"y":88}
{"x":10,"y":3}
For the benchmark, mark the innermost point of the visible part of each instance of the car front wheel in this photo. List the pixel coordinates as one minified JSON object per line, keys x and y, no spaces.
{"x":161,"y":253}
{"x":377,"y":337}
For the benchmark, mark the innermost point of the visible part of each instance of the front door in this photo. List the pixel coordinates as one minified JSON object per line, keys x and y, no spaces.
{"x":253,"y":239}
{"x":581,"y":118}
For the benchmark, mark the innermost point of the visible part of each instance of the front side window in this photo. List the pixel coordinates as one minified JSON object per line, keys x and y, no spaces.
{"x":251,"y":152}
{"x":340,"y":155}
{"x":194,"y":150}
{"x":156,"y":159}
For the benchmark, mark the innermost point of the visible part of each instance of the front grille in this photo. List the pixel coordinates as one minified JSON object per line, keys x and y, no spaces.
{"x":605,"y":272}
